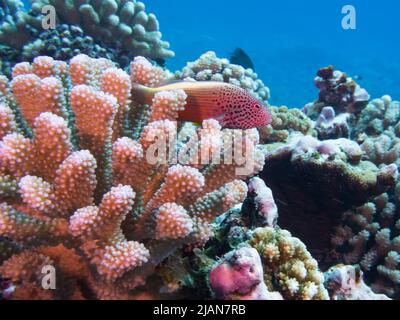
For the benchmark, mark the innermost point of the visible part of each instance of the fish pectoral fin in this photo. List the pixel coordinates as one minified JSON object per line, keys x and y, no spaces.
{"x":221,"y":119}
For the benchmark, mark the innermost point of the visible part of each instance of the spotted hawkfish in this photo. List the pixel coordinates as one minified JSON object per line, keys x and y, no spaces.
{"x":232,"y":106}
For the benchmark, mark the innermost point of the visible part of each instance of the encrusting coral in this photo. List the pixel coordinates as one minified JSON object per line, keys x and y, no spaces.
{"x":81,"y":188}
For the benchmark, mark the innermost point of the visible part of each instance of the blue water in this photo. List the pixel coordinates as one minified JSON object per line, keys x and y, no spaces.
{"x":288,"y":40}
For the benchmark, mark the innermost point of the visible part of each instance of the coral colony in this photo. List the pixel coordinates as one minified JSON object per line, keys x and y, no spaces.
{"x":123,"y":201}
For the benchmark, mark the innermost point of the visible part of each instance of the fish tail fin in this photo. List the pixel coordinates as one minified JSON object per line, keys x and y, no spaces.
{"x":142,"y":94}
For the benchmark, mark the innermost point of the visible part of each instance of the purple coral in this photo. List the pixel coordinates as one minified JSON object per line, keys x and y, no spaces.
{"x":340,"y":91}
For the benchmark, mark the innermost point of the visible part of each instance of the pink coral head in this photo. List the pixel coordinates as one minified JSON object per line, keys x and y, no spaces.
{"x":240,"y":270}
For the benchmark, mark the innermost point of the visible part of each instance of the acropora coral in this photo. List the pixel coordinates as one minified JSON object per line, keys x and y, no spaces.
{"x":78,"y":189}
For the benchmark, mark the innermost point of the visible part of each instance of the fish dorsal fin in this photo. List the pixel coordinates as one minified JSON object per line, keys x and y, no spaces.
{"x":169,"y":81}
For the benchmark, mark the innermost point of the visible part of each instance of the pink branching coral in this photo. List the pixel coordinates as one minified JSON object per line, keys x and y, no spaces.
{"x":92,"y":181}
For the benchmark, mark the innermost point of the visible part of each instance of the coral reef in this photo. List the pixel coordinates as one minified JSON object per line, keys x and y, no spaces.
{"x":302,"y":174}
{"x":80,"y":191}
{"x":370,"y":236}
{"x":340,"y":100}
{"x":242,"y":238}
{"x":125,"y":202}
{"x":378,"y":116}
{"x":211,"y":68}
{"x":330,"y":126}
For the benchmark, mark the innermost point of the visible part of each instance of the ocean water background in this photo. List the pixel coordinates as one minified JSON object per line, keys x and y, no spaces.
{"x":288,"y":40}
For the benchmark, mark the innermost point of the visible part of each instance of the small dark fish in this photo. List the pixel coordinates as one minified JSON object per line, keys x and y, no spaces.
{"x":357,"y":77}
{"x":240,"y":57}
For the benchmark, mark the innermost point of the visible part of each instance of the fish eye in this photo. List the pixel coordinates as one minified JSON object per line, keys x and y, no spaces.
{"x":257,"y":105}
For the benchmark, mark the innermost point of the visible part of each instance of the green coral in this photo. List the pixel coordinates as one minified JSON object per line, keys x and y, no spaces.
{"x":288,"y":266}
{"x":378,"y":116}
{"x":116,"y":23}
{"x":8,"y":186}
{"x":284,"y":122}
{"x":14,"y":28}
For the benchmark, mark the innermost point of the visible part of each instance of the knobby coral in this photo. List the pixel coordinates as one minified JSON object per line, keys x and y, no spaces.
{"x":210,"y":67}
{"x":121,"y":24}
